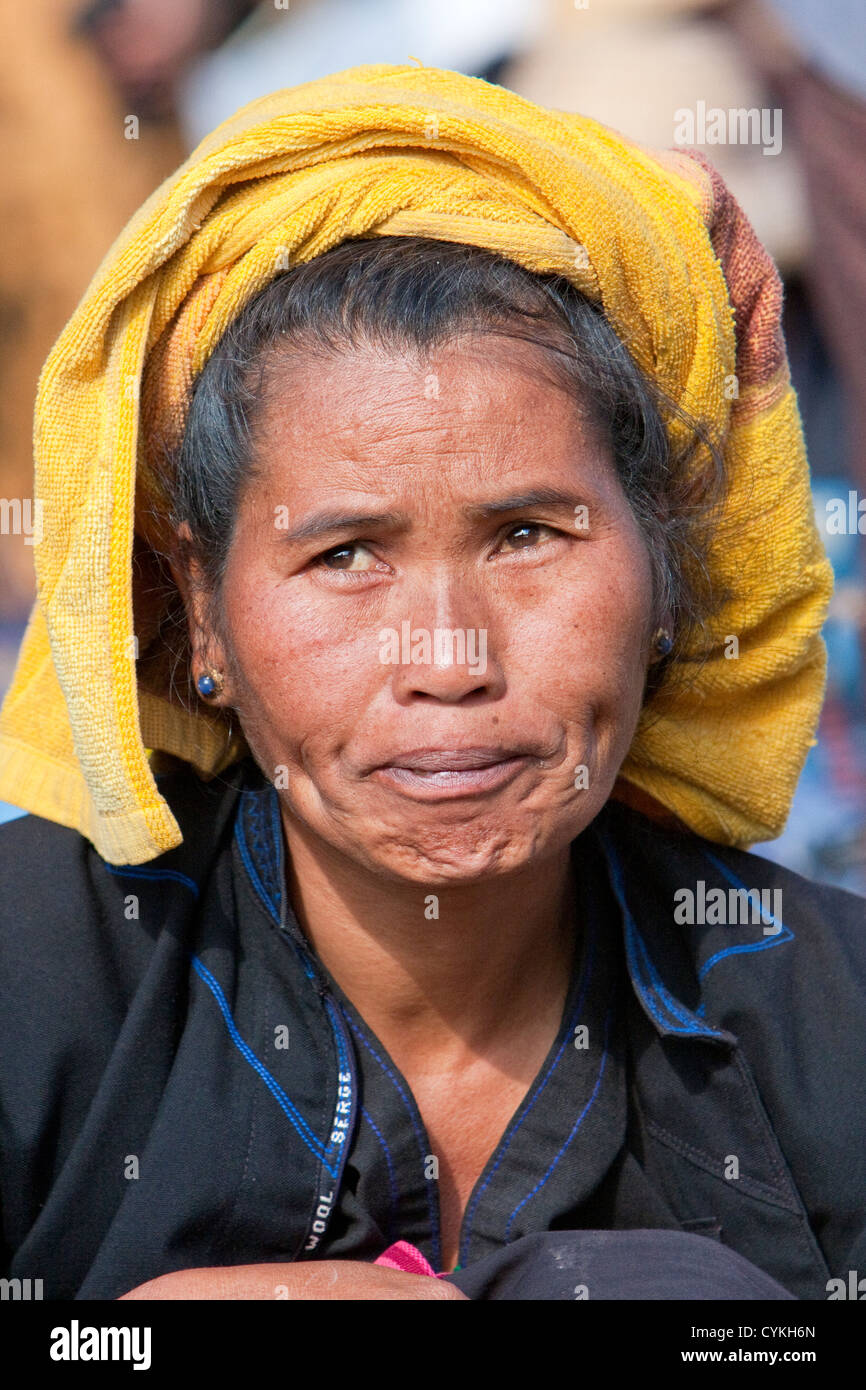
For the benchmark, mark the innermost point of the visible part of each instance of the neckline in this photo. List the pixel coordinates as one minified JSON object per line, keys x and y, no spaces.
{"x":585,"y":910}
{"x":633,"y":852}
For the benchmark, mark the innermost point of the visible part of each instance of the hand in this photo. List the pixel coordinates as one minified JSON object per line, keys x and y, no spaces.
{"x":305,"y":1279}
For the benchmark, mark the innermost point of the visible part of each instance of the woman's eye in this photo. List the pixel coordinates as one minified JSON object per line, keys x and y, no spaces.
{"x":355,"y":557}
{"x":343,"y":557}
{"x":524,"y":529}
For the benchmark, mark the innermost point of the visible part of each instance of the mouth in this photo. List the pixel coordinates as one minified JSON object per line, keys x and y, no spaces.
{"x":432,"y":774}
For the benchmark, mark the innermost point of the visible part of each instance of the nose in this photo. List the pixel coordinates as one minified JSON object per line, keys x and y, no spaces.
{"x":441,"y":649}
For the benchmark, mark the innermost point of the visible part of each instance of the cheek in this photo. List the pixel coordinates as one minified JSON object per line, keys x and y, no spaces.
{"x":615,"y":623}
{"x":292,"y":668}
{"x":591,"y":630}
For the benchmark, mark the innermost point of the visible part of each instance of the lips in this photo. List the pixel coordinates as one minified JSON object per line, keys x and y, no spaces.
{"x":450,"y":773}
{"x":432,"y":760}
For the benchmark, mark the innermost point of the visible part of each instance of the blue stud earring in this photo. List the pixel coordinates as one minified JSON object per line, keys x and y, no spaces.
{"x":209,"y":684}
{"x":663,"y":642}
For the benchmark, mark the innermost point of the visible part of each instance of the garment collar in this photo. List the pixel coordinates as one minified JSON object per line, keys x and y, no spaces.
{"x":663,"y":971}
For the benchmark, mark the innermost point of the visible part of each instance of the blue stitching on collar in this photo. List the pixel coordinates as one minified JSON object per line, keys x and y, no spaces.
{"x":786,"y":934}
{"x":576,"y":1126}
{"x":285,"y":1104}
{"x":469,"y":1215}
{"x":392,"y":1177}
{"x":246,"y":812}
{"x":677,"y":1011}
{"x":269,"y":856}
{"x":434,"y":1214}
{"x":128,"y":872}
{"x":260,"y":813}
{"x":635,"y":945}
{"x":345,"y":1066}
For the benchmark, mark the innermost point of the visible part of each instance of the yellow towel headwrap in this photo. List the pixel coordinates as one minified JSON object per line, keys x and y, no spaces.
{"x":655,"y":237}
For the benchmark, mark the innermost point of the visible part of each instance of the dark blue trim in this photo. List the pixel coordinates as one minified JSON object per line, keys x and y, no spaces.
{"x":775,"y":940}
{"x":469,"y":1215}
{"x":575,"y":1127}
{"x":420,"y":1134}
{"x":127,"y":871}
{"x":245,"y":1050}
{"x":257,"y":853}
{"x":345,"y":1064}
{"x":285,"y":1104}
{"x":259,"y":834}
{"x":392,"y":1176}
{"x":277,"y":842}
{"x":652,"y":991}
{"x":676,"y":1010}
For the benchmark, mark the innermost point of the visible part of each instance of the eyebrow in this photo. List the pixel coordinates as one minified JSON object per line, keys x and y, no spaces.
{"x":323,"y":523}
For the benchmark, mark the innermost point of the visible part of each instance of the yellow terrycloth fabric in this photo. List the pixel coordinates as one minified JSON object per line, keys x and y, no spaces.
{"x":654,"y":236}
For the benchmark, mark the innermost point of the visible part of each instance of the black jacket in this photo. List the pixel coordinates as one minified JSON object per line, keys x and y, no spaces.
{"x":151,"y":1122}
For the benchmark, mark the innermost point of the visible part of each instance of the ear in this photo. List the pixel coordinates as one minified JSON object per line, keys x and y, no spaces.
{"x":665,"y":621}
{"x":207,"y":653}
{"x":187,"y":575}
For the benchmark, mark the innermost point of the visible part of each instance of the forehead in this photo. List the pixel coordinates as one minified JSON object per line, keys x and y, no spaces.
{"x":474,"y":405}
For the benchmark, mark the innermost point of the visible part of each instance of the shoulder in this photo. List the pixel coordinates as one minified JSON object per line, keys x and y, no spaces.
{"x":86,"y":946}
{"x":779,"y":960}
{"x":796,"y":1000}
{"x":788,"y":980}
{"x":65,"y":913}
{"x":45,"y":865}
{"x":50,"y":898}
{"x":678,"y":860}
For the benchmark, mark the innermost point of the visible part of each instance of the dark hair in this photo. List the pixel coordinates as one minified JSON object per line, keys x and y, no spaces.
{"x":415,"y":293}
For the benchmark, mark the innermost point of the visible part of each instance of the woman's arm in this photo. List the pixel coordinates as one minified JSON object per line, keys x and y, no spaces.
{"x":307,"y":1279}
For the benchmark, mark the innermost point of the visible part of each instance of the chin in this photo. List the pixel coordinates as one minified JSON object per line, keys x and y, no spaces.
{"x":484,"y":848}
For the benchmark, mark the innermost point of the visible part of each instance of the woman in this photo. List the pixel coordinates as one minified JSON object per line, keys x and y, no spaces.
{"x":440,"y":456}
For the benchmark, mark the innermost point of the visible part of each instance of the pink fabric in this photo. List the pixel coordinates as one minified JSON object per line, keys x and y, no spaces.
{"x":408,"y":1258}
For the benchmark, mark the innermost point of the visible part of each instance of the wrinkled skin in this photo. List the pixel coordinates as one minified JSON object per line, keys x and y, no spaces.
{"x":467,"y":1008}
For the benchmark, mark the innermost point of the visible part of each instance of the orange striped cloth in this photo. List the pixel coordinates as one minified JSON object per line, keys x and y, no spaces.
{"x":655,"y":237}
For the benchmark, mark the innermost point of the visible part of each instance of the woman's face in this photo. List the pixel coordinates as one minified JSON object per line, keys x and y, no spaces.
{"x":437,"y":610}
